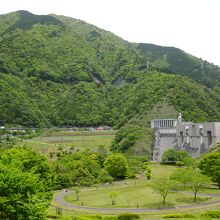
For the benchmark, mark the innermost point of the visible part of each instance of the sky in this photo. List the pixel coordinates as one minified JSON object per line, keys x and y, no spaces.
{"x":191,"y":25}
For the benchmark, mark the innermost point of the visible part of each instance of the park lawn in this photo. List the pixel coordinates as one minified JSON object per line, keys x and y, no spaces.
{"x":137,"y":191}
{"x":131,"y":196}
{"x":133,"y":193}
{"x":70,"y":142}
{"x":212,"y":189}
{"x":159,"y":170}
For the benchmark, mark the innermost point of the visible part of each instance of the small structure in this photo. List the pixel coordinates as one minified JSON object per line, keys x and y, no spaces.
{"x":164,"y":123}
{"x":99,"y":129}
{"x":107,"y":128}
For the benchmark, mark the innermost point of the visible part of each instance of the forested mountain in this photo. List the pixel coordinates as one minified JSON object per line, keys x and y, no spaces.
{"x":56,"y":70}
{"x":174,"y":60}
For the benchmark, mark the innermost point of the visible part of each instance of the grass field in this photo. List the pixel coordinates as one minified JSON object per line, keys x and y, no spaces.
{"x":134,"y":193}
{"x":70,"y":141}
{"x":130,"y":196}
{"x":137,"y":192}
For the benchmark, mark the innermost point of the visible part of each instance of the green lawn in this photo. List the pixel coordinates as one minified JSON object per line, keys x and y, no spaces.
{"x":137,"y":192}
{"x":159,"y":170}
{"x":133,"y":193}
{"x":70,"y":141}
{"x":129,"y":196}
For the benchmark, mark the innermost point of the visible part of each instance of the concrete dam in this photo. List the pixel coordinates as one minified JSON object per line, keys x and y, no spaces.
{"x":195,"y":138}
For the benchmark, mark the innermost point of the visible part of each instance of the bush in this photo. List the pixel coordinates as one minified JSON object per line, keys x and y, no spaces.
{"x":109,"y":217}
{"x":174,"y":215}
{"x":96,"y":217}
{"x":148,"y":172}
{"x":52,"y":216}
{"x":211,"y":214}
{"x":116,"y":165}
{"x":93,"y":217}
{"x":135,"y":164}
{"x":128,"y":216}
{"x":173,"y":155}
{"x":130,"y":174}
{"x":180,"y":163}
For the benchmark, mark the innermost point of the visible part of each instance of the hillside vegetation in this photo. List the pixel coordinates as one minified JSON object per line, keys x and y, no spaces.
{"x":56,"y":70}
{"x":174,"y":60}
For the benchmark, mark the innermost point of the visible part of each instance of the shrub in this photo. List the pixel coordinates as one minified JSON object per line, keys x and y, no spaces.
{"x":128,"y":216}
{"x":180,"y":163}
{"x":116,"y":165}
{"x":148,"y":172}
{"x":109,"y":217}
{"x":189,"y":215}
{"x":93,"y":217}
{"x":96,"y":217}
{"x":211,"y":214}
{"x":51,"y":154}
{"x":172,"y":156}
{"x":52,"y":216}
{"x":174,"y":215}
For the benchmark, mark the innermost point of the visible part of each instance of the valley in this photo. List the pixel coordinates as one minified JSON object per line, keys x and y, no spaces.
{"x":77,"y":104}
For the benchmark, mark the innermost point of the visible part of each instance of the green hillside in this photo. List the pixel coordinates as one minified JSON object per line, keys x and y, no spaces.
{"x":160,"y":96}
{"x":56,"y":70}
{"x":174,"y":60}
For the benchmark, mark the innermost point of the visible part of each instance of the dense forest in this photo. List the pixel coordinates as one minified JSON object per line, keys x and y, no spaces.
{"x":173,"y":60}
{"x":56,"y":70}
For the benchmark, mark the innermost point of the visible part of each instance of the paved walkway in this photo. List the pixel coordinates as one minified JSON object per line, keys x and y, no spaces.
{"x":59,"y":198}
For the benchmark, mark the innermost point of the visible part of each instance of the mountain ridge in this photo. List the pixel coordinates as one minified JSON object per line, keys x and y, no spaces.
{"x":73,"y":73}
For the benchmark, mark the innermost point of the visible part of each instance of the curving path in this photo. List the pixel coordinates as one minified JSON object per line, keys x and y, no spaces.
{"x":59,"y":198}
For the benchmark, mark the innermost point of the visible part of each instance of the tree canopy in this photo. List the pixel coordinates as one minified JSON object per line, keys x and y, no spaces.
{"x":164,"y":186}
{"x":210,"y":165}
{"x":116,"y":165}
{"x":26,"y":184}
{"x":173,"y":156}
{"x":191,"y":179}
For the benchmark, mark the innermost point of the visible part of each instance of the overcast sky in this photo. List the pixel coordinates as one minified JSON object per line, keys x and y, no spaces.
{"x":191,"y":25}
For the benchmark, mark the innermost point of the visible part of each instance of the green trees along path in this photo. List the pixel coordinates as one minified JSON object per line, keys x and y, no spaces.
{"x":164,"y":186}
{"x":191,"y":179}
